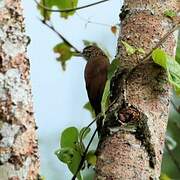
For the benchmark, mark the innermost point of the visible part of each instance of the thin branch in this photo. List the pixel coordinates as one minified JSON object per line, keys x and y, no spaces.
{"x":176,"y":163}
{"x":69,"y":9}
{"x":81,"y":138}
{"x":162,"y":40}
{"x":84,"y":156}
{"x":88,"y":21}
{"x":60,"y":35}
{"x":98,"y":117}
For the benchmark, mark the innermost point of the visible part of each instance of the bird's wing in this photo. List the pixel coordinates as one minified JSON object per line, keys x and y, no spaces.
{"x":95,"y":77}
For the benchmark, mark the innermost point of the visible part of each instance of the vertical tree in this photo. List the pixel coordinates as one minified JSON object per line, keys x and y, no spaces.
{"x":18,"y":142}
{"x":134,"y":149}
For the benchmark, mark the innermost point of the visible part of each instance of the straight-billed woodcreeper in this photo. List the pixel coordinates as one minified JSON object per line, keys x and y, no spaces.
{"x":95,"y":74}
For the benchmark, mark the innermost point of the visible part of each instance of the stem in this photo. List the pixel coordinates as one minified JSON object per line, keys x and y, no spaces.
{"x":69,"y":9}
{"x":60,"y":35}
{"x":84,"y":155}
{"x":162,"y":40}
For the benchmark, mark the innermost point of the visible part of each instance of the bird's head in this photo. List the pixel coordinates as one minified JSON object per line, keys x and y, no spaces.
{"x":92,"y":51}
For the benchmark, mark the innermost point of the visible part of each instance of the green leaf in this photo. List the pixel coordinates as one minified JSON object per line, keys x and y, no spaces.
{"x":88,"y":107}
{"x":170,"y":13}
{"x":84,"y":132}
{"x":71,"y":157}
{"x":164,"y":177}
{"x":65,"y":53}
{"x":46,"y":14}
{"x":160,"y":57}
{"x":91,"y":158}
{"x":129,"y":49}
{"x":171,"y":142}
{"x":61,"y":5}
{"x":105,"y":98}
{"x":65,"y":154}
{"x":69,"y":137}
{"x":41,"y":177}
{"x":178,"y":51}
{"x":113,"y":67}
{"x":170,"y":65}
{"x":174,"y":73}
{"x":73,"y":166}
{"x":141,"y":50}
{"x":66,"y":4}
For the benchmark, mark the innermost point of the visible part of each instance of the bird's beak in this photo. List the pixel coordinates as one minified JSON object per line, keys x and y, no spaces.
{"x":79,"y":54}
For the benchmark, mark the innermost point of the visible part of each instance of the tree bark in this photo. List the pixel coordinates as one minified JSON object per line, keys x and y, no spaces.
{"x":131,"y":146}
{"x":19,"y":159}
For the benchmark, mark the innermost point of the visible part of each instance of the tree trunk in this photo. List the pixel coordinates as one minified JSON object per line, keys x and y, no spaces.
{"x":19,"y":158}
{"x":131,"y":146}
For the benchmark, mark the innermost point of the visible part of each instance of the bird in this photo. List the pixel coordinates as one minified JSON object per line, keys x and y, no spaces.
{"x":95,"y":74}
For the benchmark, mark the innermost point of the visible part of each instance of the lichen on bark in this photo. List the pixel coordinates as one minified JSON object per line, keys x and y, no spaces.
{"x":19,"y":157}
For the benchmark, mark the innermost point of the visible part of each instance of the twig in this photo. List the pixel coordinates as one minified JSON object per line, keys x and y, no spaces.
{"x":96,"y":119}
{"x":69,"y":9}
{"x":84,"y":155}
{"x":162,"y":40}
{"x":81,"y":138}
{"x":60,"y":35}
{"x":176,"y":163}
{"x":92,"y":22}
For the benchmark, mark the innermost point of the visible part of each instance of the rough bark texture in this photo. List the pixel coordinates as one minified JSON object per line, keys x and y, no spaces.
{"x":132,"y":140}
{"x":18,"y":142}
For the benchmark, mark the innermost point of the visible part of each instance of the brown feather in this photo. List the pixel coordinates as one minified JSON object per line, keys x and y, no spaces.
{"x":96,"y":76}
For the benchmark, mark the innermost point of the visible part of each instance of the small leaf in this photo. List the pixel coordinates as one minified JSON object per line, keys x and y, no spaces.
{"x":170,"y":13}
{"x":71,"y":157}
{"x":141,"y":50}
{"x":129,"y":49}
{"x":178,"y":51}
{"x":69,"y":137}
{"x":105,"y":98}
{"x":61,"y":5}
{"x":46,"y":14}
{"x":159,"y":57}
{"x":73,"y":166}
{"x":65,"y":155}
{"x":65,"y":53}
{"x":113,"y":67}
{"x":67,"y":4}
{"x":171,"y":65}
{"x":171,"y":142}
{"x":164,"y":177}
{"x":114,"y":29}
{"x":91,"y":158}
{"x":41,"y":177}
{"x":84,"y":132}
{"x":88,"y":107}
